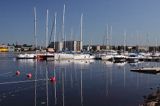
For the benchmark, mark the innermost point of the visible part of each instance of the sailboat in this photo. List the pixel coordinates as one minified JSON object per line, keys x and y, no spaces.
{"x":82,"y":56}
{"x":121,"y":57}
{"x":26,"y":56}
{"x":109,"y":54}
{"x":30,"y":55}
{"x":46,"y":55}
{"x":62,"y":55}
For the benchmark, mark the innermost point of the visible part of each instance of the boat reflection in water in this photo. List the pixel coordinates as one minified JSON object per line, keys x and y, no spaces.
{"x":121,"y":64}
{"x":108,"y":63}
{"x":67,"y":62}
{"x":28,"y":61}
{"x":77,"y":83}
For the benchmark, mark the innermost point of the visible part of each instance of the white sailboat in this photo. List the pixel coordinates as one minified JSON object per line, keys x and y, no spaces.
{"x":121,"y":57}
{"x":26,"y":56}
{"x":82,"y":56}
{"x":62,"y":55}
{"x":30,"y":55}
{"x":109,"y":54}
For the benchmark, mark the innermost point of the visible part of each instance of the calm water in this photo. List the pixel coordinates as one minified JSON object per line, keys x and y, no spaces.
{"x":78,"y":83}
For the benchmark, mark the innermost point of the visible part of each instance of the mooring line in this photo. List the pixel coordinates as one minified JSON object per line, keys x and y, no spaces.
{"x":16,"y":82}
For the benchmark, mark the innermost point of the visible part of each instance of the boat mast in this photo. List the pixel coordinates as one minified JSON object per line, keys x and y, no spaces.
{"x":47,"y":29}
{"x":35,"y":27}
{"x":71,"y":38}
{"x":107,"y":38}
{"x":63,"y":25}
{"x":55,"y":21}
{"x":156,"y":46}
{"x":111,"y":38}
{"x":81,"y":43}
{"x":124,"y":41}
{"x":137,"y":41}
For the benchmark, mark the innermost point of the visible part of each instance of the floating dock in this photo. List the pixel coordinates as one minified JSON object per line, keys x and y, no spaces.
{"x":152,"y":70}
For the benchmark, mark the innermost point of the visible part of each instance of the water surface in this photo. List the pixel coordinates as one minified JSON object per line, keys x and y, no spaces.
{"x":78,"y":83}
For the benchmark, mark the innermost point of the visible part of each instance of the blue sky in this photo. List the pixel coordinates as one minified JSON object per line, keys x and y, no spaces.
{"x":134,"y":16}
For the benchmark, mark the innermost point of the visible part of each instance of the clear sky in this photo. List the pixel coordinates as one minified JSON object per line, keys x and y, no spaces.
{"x":140,"y":19}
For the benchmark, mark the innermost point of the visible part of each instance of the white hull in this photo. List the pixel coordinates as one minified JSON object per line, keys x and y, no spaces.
{"x":83,"y":57}
{"x":26,"y":56}
{"x":62,"y":56}
{"x":119,"y":58}
{"x":106,"y":57}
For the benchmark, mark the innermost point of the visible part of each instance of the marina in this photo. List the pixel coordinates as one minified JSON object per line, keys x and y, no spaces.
{"x":79,"y":53}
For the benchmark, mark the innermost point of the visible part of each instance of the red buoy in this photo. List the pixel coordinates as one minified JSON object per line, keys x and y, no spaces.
{"x":17,"y":73}
{"x":29,"y":75}
{"x":53,"y":79}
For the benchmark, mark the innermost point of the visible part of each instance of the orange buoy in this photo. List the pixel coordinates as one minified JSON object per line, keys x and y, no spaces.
{"x":29,"y":75}
{"x":17,"y":73}
{"x":53,"y":79}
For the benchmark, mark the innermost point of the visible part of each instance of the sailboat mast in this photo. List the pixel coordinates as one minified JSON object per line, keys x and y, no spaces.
{"x":81,"y":45}
{"x":111,"y":38}
{"x":55,"y":21}
{"x":47,"y":29}
{"x":107,"y":38}
{"x":35,"y":27}
{"x":63,"y":24}
{"x":124,"y":41}
{"x":137,"y":39}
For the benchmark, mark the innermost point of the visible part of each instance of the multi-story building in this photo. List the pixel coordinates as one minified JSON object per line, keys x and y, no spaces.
{"x":66,"y":45}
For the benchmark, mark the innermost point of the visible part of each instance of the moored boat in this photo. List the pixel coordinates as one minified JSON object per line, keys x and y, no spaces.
{"x":83,"y":57}
{"x":26,"y":56}
{"x":132,"y":58}
{"x":63,"y":56}
{"x":119,"y":58}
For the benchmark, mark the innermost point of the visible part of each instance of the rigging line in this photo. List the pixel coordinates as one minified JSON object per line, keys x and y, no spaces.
{"x":16,"y":82}
{"x":51,"y":32}
{"x":5,"y":73}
